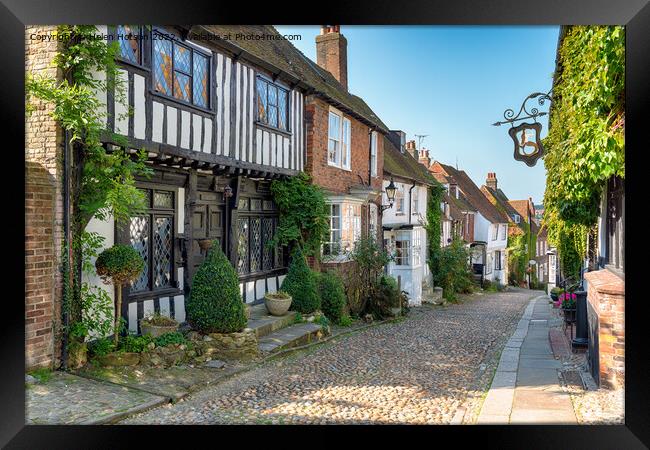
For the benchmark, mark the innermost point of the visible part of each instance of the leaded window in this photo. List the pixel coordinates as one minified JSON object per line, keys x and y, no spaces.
{"x":130,"y":39}
{"x":180,"y":71}
{"x":256,"y":226}
{"x":272,"y":104}
{"x":152,"y":235}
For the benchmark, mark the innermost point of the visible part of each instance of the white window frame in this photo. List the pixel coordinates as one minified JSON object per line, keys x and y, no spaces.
{"x":495,"y":232}
{"x":517,"y":218}
{"x":373,"y":154}
{"x":502,"y":231}
{"x":399,"y":195}
{"x":415,"y":200}
{"x":342,"y":141}
{"x":333,"y":241}
{"x":405,"y":258}
{"x":497,"y":260}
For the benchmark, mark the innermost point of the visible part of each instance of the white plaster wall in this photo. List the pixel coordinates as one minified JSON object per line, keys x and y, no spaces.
{"x":105,"y":228}
{"x":481,"y":228}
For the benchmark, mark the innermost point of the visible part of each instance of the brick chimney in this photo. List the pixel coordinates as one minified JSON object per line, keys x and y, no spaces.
{"x":332,"y":52}
{"x":453,"y":187}
{"x":491,"y":181}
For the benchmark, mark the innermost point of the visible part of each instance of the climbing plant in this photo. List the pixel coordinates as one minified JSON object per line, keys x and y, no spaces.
{"x":304,"y":215}
{"x":585,"y":145}
{"x":102,"y":180}
{"x":433,"y":226}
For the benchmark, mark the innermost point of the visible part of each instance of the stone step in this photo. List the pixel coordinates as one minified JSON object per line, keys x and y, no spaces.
{"x":263,"y":323}
{"x":289,"y":337}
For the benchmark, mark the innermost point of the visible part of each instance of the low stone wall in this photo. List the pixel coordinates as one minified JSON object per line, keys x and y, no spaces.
{"x":606,"y":297}
{"x":242,"y":345}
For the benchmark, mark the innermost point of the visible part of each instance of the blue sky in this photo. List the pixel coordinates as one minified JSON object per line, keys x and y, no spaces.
{"x":452,"y":83}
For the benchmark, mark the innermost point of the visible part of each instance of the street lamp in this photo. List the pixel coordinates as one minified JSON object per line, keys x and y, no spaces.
{"x":391,"y":189}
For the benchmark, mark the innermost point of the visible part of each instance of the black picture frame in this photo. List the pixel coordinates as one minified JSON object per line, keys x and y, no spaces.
{"x":635,"y":14}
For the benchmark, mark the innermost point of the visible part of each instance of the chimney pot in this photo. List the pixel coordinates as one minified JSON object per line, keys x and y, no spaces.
{"x":491,"y":181}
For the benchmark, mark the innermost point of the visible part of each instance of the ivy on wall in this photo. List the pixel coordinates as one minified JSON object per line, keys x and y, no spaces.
{"x":585,"y":145}
{"x":433,"y":227}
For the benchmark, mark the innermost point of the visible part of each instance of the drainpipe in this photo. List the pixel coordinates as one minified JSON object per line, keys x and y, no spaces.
{"x":410,"y":201}
{"x":66,"y":240}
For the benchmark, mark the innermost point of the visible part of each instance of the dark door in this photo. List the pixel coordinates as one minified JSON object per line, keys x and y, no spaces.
{"x":208,"y":224}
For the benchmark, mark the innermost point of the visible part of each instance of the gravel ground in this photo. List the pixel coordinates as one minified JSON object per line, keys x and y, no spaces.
{"x":426,"y":369}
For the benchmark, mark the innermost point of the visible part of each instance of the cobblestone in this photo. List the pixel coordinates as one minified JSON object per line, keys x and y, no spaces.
{"x":422,"y":370}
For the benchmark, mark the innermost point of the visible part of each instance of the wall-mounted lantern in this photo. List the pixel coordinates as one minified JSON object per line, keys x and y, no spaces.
{"x":391,"y":189}
{"x":526,"y":136}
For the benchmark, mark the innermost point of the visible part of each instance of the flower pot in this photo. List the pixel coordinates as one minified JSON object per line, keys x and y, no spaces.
{"x":277,"y":306}
{"x":156,"y":330}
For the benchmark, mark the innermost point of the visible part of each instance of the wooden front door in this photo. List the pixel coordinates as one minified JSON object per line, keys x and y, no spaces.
{"x":207,"y":223}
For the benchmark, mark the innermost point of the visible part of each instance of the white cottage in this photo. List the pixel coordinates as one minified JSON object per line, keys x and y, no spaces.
{"x":404,"y":234}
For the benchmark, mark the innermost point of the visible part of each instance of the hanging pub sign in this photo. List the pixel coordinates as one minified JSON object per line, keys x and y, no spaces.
{"x":526,"y":136}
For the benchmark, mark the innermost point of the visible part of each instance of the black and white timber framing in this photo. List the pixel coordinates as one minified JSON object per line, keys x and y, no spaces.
{"x":196,"y":153}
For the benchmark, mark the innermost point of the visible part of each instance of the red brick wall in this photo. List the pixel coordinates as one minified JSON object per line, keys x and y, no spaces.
{"x":333,"y":178}
{"x":606,"y":295}
{"x":43,"y":215}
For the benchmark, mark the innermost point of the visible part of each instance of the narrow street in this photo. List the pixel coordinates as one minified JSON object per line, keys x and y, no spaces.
{"x":434,"y":367}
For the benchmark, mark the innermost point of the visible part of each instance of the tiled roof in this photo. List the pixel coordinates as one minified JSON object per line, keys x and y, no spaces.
{"x":497,"y":196}
{"x":522,"y":208}
{"x":404,"y":165}
{"x":474,"y":196}
{"x":281,"y":54}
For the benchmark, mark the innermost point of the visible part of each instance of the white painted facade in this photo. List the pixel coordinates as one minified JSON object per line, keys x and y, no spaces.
{"x":495,"y":235}
{"x":406,"y":241}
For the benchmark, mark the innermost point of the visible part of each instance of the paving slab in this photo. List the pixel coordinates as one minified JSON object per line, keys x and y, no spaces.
{"x":67,"y":399}
{"x":292,"y":336}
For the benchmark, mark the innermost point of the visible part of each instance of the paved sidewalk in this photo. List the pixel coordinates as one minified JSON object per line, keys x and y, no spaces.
{"x":526,"y":387}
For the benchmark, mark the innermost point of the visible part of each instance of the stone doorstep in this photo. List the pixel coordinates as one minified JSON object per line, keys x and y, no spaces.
{"x":263,"y":324}
{"x":292,"y":336}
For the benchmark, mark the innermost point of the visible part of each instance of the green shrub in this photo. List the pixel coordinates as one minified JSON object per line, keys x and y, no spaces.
{"x":332,"y":294}
{"x":174,"y":337}
{"x":345,"y":320}
{"x":489,"y":286}
{"x":300,"y":283}
{"x":215,"y":304}
{"x":135,"y":344}
{"x":386,"y":296}
{"x":101,"y":347}
{"x":159,"y":320}
{"x":322,"y":321}
{"x":454,"y":274}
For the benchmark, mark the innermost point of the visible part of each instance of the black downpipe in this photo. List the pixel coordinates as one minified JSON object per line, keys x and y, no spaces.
{"x":67,"y":246}
{"x":411,"y":202}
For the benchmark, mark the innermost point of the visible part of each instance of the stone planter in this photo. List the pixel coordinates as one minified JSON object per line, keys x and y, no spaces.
{"x":277,"y":306}
{"x":156,"y":330}
{"x":118,"y":359}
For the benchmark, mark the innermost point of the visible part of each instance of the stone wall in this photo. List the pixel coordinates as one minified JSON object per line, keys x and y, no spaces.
{"x":606,"y":296}
{"x":43,"y":213}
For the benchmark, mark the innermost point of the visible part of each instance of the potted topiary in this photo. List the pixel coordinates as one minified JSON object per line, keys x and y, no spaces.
{"x":555,"y":292}
{"x":300,"y":284}
{"x":277,"y":303}
{"x":157,"y":325}
{"x":215,"y":304}
{"x":119,"y":264}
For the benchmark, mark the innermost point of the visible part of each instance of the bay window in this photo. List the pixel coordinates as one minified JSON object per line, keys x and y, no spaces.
{"x":403,"y":249}
{"x":339,"y":141}
{"x":345,"y":228}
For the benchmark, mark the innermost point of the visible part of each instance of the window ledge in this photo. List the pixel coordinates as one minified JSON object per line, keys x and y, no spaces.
{"x":331,"y":164}
{"x":273,"y":129}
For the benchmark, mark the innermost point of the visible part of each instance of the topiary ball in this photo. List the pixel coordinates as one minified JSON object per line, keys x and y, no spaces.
{"x":300,"y":283}
{"x":215,"y":304}
{"x":119,"y":264}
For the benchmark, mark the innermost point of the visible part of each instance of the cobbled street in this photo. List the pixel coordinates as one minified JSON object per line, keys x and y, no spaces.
{"x":433,"y":367}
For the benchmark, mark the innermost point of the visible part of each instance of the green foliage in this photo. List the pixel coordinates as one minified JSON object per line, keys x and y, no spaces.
{"x":101,"y":347}
{"x":332,"y":294}
{"x":298,"y":318}
{"x":174,"y":337}
{"x":369,"y":260}
{"x":453,"y":271}
{"x":300,"y":283}
{"x":304,"y":215}
{"x":42,"y":374}
{"x":215,"y":304}
{"x":345,"y":321}
{"x":134,"y":344}
{"x":119,"y":264}
{"x":585,"y":145}
{"x":322,"y":321}
{"x":160,"y":320}
{"x":433,"y":226}
{"x":385,"y":297}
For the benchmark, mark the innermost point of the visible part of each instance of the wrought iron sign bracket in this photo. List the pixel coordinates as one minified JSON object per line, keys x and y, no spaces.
{"x":528,"y":146}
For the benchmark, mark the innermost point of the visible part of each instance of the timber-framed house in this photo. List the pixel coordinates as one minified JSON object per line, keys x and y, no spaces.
{"x":218,"y":125}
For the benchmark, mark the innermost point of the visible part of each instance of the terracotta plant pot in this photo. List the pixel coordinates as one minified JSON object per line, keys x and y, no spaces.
{"x":156,"y":330}
{"x":277,"y":306}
